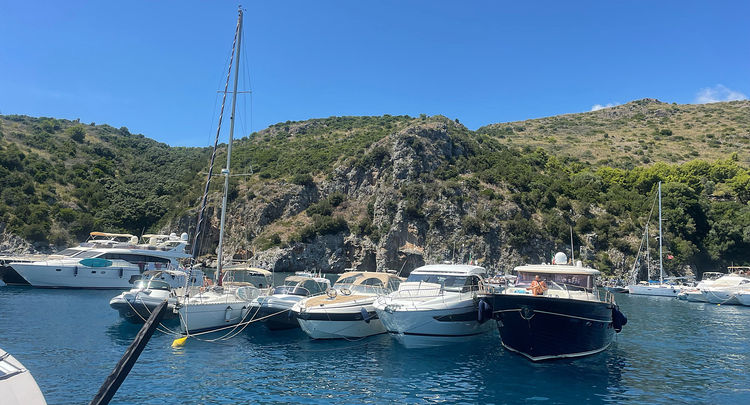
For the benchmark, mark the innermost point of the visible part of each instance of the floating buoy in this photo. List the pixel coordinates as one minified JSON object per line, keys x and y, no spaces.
{"x":179,"y":342}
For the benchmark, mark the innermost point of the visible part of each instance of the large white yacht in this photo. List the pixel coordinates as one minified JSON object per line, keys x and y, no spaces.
{"x":436,"y":305}
{"x":115,"y":265}
{"x":346,"y":311}
{"x":96,"y":239}
{"x":725,"y":289}
{"x":694,"y":294}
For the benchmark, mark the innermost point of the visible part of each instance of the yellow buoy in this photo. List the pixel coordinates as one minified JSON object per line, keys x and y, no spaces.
{"x":179,"y":342}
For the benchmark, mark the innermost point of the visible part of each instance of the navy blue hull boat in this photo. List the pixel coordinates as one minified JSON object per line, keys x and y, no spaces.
{"x":555,"y":311}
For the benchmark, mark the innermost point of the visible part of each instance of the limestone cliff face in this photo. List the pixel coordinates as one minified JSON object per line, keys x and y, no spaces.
{"x":417,"y":219}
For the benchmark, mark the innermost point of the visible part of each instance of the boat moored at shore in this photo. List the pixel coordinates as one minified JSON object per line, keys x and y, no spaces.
{"x":556,"y":311}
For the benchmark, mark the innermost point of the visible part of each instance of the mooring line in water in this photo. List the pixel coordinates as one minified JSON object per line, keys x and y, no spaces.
{"x":161,"y":327}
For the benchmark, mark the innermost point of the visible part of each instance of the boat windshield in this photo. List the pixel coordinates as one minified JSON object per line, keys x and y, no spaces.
{"x":459,"y":283}
{"x":152,"y":285}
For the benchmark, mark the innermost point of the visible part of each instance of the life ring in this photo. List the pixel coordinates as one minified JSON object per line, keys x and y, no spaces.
{"x":346,"y":291}
{"x":331,"y":293}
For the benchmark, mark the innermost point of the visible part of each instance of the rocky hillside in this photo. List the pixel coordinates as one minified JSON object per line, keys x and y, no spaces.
{"x":395,"y":191}
{"x":638,"y":133}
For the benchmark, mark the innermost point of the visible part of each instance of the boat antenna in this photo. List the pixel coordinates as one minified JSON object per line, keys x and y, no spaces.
{"x":572,"y":253}
{"x":225,"y":172}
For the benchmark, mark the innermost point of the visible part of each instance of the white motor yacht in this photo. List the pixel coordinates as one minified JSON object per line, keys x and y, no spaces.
{"x":219,"y":307}
{"x":724,"y":290}
{"x":96,"y":239}
{"x":436,"y":305}
{"x":694,"y":294}
{"x":17,"y":385}
{"x":346,"y":310}
{"x":275,"y":309}
{"x":116,"y":266}
{"x":154,"y":287}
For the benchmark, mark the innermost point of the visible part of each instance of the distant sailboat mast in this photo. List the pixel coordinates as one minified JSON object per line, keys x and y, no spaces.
{"x":661,"y":266}
{"x":648,"y":257}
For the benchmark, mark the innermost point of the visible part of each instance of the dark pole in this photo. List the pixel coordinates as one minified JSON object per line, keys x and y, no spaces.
{"x":118,"y":375}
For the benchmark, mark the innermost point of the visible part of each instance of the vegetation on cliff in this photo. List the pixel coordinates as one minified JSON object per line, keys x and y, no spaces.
{"x":381,"y":191}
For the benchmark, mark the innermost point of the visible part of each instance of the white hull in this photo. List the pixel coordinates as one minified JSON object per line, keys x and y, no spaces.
{"x":341,"y":323}
{"x":725,"y":297}
{"x":420,"y":328}
{"x":743,"y":298}
{"x":341,"y":329}
{"x":694,"y":296}
{"x":18,"y":387}
{"x":215,"y":310}
{"x":658,"y":290}
{"x":56,"y":275}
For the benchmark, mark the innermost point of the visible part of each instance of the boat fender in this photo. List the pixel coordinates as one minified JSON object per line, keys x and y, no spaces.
{"x":484,"y":311}
{"x":366,"y":315}
{"x":75,"y":271}
{"x":227,"y":314}
{"x":121,"y":272}
{"x":618,"y":319}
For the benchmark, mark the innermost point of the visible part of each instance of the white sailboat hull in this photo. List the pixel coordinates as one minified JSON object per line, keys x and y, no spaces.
{"x":210,"y":316}
{"x":720,"y":296}
{"x":658,"y":290}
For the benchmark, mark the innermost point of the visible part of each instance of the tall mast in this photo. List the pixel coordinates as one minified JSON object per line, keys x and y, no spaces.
{"x":648,"y":256}
{"x":661,"y":266}
{"x":225,"y":172}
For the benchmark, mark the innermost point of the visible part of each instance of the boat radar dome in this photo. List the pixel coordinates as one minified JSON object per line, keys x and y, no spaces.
{"x":184,"y":236}
{"x":560,"y":258}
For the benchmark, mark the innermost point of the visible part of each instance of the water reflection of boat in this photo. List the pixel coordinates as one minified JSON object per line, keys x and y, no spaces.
{"x":556,"y":311}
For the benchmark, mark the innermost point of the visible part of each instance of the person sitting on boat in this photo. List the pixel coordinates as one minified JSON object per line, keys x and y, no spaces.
{"x":538,"y":286}
{"x":206,"y":283}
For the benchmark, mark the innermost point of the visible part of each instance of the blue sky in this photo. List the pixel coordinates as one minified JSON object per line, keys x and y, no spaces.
{"x":155,"y":67}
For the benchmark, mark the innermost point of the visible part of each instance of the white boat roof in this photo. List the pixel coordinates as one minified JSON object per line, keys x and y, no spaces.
{"x":451,"y":269}
{"x":557,"y":269}
{"x":171,"y":272}
{"x":247,"y":269}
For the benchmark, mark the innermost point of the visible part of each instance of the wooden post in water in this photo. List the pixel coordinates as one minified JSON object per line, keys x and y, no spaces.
{"x":118,"y":375}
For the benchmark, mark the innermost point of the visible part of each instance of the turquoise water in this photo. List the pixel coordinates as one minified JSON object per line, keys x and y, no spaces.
{"x":670,"y":352}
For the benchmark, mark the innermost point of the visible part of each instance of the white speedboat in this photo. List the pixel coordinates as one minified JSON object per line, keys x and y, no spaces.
{"x":724,"y":290}
{"x":218,"y":307}
{"x":346,"y":310}
{"x":275,"y":309}
{"x":17,"y":385}
{"x":116,"y":266}
{"x":154,"y":287}
{"x":436,"y":305}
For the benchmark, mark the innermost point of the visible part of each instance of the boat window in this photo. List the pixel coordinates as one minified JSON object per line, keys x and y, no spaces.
{"x":159,"y":285}
{"x":313,"y":287}
{"x":393,"y":284}
{"x":291,"y":289}
{"x":579,"y":280}
{"x":450,"y":282}
{"x":69,"y":252}
{"x":134,"y":258}
{"x":88,"y":253}
{"x":373,"y":282}
{"x":348,"y":280}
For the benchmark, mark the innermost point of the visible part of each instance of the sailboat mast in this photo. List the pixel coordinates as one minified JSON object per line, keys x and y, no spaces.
{"x":661,"y":265}
{"x":225,"y":172}
{"x":648,"y":256}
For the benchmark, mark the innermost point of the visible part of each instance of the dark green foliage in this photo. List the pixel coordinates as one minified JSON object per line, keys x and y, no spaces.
{"x":76,"y":133}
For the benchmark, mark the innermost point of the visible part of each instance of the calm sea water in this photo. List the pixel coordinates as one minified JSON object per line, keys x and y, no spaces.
{"x":670,"y":352}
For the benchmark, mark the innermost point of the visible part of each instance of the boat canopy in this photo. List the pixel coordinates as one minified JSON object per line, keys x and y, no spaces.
{"x":111,"y":235}
{"x":557,"y":269}
{"x":450,"y":269}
